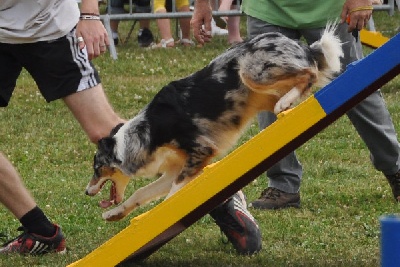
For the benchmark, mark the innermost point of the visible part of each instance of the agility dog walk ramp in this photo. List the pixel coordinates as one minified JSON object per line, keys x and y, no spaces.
{"x":149,"y":231}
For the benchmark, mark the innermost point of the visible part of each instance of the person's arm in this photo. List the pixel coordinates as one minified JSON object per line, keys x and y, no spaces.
{"x":356,"y":13}
{"x":202,"y":14}
{"x":91,"y":29}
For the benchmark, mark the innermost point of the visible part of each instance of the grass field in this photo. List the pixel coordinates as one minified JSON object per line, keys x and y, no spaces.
{"x":343,"y":196}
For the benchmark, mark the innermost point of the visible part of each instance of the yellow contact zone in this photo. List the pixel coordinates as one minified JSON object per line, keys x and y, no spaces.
{"x":373,"y":39}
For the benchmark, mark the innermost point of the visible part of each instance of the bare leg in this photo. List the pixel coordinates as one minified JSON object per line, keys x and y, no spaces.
{"x":114,"y":31}
{"x":93,"y":112}
{"x":12,"y":189}
{"x":234,"y":28}
{"x":225,"y":6}
{"x":164,"y":26}
{"x":185,"y":24}
{"x":144,"y":23}
{"x":114,"y":25}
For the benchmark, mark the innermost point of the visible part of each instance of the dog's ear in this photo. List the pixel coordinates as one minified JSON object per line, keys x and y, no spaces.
{"x":105,"y":151}
{"x":116,"y":129}
{"x":106,"y":145}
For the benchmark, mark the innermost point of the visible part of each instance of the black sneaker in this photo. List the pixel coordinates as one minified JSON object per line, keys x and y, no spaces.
{"x":145,"y":37}
{"x":239,"y":226}
{"x":394,"y":181}
{"x":29,"y":243}
{"x":273,"y":198}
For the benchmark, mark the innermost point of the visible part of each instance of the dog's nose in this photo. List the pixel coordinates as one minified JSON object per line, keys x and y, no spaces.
{"x":86,"y":192}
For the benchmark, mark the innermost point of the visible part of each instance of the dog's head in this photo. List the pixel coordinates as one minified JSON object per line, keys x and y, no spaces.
{"x":105,"y":166}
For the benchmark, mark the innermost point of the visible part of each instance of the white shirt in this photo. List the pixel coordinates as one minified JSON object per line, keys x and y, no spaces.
{"x":29,"y":21}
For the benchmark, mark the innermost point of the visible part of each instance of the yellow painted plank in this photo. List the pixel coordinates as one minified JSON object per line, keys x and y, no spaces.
{"x":215,"y":177}
{"x":372,"y":39}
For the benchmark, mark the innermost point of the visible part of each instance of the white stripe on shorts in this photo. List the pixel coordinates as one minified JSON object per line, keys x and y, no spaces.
{"x":82,"y":61}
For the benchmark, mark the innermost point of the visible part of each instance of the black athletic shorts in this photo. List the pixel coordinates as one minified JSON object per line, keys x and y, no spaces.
{"x":58,"y":67}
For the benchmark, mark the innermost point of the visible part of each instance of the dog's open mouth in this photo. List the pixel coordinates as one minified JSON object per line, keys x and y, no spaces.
{"x":118,"y":180}
{"x":112,"y":198}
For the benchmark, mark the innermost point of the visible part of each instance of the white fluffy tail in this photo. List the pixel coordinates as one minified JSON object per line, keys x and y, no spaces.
{"x":331,"y":48}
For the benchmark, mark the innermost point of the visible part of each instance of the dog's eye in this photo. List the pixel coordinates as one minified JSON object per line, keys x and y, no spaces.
{"x":97,"y":170}
{"x":104,"y":171}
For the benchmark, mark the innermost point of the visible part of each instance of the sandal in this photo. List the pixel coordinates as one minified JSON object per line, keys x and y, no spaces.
{"x":186,"y":42}
{"x":163,"y":44}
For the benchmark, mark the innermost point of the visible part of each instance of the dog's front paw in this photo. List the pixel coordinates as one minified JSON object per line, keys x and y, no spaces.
{"x":287,"y":100}
{"x":113,"y":215}
{"x":281,"y":106}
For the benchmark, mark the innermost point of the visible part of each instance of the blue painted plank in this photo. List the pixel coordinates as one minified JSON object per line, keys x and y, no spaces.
{"x":360,"y":75}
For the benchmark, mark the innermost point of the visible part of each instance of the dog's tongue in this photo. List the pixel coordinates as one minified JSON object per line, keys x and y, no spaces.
{"x":107,"y":203}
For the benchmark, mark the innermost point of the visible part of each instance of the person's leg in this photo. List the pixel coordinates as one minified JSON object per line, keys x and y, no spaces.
{"x":13,"y":195}
{"x":373,"y":122}
{"x":164,"y":28}
{"x":93,"y":112}
{"x":233,"y":22}
{"x":370,"y":117}
{"x":144,"y":23}
{"x":226,"y":5}
{"x":285,"y":175}
{"x":60,"y":70}
{"x":72,"y":78}
{"x":218,"y":24}
{"x":184,"y":23}
{"x":116,"y":7}
{"x":145,"y":36}
{"x":12,"y":189}
{"x":37,"y":227}
{"x":234,"y":29}
{"x":114,"y":30}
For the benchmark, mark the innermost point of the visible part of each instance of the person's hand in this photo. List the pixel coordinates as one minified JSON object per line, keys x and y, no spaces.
{"x":356,"y":13}
{"x":94,"y":35}
{"x":202,"y":15}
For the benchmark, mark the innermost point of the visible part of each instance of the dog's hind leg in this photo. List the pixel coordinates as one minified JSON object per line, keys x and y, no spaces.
{"x":142,"y":196}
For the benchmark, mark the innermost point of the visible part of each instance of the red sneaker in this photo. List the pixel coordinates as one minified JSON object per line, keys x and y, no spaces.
{"x":30,"y":243}
{"x":239,"y":226}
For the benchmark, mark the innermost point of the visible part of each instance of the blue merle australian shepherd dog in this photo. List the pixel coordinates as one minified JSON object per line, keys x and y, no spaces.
{"x":192,"y":120}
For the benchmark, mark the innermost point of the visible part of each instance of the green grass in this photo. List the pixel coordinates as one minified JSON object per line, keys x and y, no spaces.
{"x":342,"y":194}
